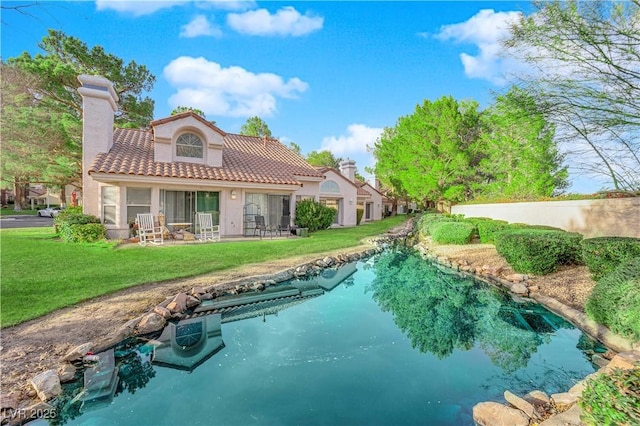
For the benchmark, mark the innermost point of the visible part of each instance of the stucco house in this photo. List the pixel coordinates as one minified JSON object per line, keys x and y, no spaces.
{"x":183,"y":164}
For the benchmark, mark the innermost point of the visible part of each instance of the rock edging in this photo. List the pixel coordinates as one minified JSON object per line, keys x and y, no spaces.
{"x":47,"y":385}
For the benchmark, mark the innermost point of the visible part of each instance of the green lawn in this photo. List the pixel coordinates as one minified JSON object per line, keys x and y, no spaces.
{"x":41,"y":274}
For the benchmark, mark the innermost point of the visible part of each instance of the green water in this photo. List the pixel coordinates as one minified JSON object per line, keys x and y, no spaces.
{"x":399,"y":342}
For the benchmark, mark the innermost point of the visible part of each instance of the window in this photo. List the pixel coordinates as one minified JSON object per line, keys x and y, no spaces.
{"x":109,"y":200}
{"x":138,"y":201}
{"x":189,"y":145}
{"x":330,"y":186}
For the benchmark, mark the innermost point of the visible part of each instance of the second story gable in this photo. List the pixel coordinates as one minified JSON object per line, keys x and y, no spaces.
{"x":188,"y":138}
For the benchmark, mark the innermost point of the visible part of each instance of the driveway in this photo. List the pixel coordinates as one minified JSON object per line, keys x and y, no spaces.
{"x":25,"y":221}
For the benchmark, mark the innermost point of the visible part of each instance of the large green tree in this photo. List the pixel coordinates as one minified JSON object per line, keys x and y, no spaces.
{"x":323,"y":158}
{"x":519,"y":157}
{"x":428,"y":155}
{"x":35,"y":141}
{"x":255,"y":126}
{"x":57,"y":100}
{"x":584,"y":72}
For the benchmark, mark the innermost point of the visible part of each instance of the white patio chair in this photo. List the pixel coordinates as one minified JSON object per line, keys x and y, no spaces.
{"x":208,"y":231}
{"x":148,"y":231}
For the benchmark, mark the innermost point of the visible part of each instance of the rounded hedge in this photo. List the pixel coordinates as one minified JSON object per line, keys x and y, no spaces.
{"x":538,"y":251}
{"x":313,"y":215}
{"x":615,"y":300}
{"x":603,"y":254}
{"x":452,"y":232}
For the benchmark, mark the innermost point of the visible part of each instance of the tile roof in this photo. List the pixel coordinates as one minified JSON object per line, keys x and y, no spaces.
{"x":244,"y":159}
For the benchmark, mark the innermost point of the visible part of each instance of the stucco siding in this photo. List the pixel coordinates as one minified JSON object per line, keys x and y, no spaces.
{"x":591,"y":218}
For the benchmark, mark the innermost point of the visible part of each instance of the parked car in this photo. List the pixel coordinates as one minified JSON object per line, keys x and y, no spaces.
{"x":49,"y":212}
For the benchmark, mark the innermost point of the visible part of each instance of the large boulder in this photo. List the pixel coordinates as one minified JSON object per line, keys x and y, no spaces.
{"x":47,"y":385}
{"x":495,"y":414}
{"x":78,"y":352}
{"x":151,"y":323}
{"x":519,"y":403}
{"x":178,"y":304}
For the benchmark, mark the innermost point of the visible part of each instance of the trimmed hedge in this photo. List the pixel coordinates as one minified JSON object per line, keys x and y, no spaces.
{"x":602,"y":255}
{"x":489,"y":229}
{"x":615,"y":300}
{"x":538,"y":251}
{"x":313,"y":215}
{"x":75,"y":227}
{"x":429,"y":219}
{"x":452,"y":232}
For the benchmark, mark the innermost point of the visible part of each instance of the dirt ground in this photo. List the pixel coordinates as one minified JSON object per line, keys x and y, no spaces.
{"x":38,"y":345}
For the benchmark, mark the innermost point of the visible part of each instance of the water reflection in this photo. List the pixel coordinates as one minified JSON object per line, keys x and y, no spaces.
{"x":441,"y":311}
{"x":438,"y":311}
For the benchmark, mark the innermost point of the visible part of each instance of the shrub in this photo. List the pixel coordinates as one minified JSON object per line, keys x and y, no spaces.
{"x":612,"y":399}
{"x":313,"y":215}
{"x":538,"y":251}
{"x":427,"y":220}
{"x":615,"y":300}
{"x":488,"y":229}
{"x":359,"y":214}
{"x":78,"y":227}
{"x":452,"y":232}
{"x":602,"y":255}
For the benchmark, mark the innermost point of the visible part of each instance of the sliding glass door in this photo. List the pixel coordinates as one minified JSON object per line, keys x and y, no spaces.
{"x":181,"y":206}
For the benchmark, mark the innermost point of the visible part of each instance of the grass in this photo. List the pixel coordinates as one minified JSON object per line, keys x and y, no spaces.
{"x":25,"y":212}
{"x":41,"y":274}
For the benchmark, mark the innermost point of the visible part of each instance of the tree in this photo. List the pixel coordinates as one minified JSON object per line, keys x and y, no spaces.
{"x":295,"y":148}
{"x":255,"y":126}
{"x":519,"y":157}
{"x":323,"y":159}
{"x":181,"y":109}
{"x":428,"y":154}
{"x":35,"y":142}
{"x":56,"y":72}
{"x":584,"y":58}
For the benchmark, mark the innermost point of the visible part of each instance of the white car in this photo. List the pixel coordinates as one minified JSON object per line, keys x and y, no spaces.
{"x":49,"y":212}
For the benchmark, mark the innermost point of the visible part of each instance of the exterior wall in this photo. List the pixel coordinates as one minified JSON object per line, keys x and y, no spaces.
{"x":165,"y":136}
{"x":99,"y":105}
{"x":592,"y":218}
{"x":348,"y":193}
{"x":376,"y":199}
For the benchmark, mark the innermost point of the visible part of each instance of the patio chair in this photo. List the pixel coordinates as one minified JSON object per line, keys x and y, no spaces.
{"x":148,"y":231}
{"x":261,"y":226}
{"x":285,"y":225}
{"x":208,"y":231}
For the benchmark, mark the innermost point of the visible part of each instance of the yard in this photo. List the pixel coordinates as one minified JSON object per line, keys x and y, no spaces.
{"x":41,"y":274}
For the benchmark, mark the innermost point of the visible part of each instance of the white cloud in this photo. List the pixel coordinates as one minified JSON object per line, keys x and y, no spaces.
{"x":137,"y":7}
{"x":286,"y":21}
{"x":148,"y":7}
{"x":200,"y":26}
{"x":231,"y":92}
{"x":226,"y":4}
{"x":485,"y":30}
{"x":356,"y":140}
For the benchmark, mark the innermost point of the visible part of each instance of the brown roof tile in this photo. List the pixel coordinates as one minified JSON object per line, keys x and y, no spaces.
{"x":244,"y":159}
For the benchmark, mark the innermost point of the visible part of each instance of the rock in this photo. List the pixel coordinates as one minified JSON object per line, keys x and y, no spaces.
{"x":515,"y":278}
{"x":150,"y":323}
{"x":563,"y":400}
{"x":571,"y":417}
{"x":66,"y":372}
{"x":329,"y":261}
{"x":47,"y":385}
{"x":178,"y":303}
{"x":495,"y":414}
{"x":599,"y":360}
{"x":520,"y":289}
{"x":78,"y":352}
{"x":192,"y":301}
{"x":258,"y":286}
{"x":537,"y":397}
{"x":519,"y":403}
{"x":624,"y":361}
{"x":163,"y":312}
{"x":321,"y":263}
{"x":206,"y":296}
{"x":197,"y":291}
{"x":533,"y":288}
{"x":269,"y":283}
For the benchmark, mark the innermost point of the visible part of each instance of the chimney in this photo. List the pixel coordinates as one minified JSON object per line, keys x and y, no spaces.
{"x":348,"y":169}
{"x":99,"y":104}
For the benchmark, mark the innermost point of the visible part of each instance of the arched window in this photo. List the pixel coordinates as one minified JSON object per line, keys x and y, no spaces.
{"x":329,"y":186}
{"x":189,"y":145}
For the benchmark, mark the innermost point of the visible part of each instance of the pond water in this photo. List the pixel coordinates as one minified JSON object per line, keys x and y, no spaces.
{"x":394,"y":340}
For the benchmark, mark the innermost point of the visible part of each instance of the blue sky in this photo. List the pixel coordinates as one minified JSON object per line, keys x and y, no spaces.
{"x":325,"y":75}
